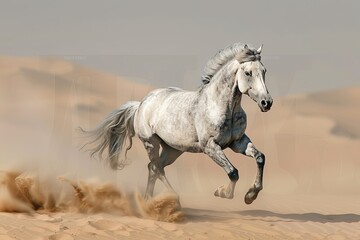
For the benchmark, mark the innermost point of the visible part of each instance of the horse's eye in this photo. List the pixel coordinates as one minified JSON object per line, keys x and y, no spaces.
{"x":248,"y":73}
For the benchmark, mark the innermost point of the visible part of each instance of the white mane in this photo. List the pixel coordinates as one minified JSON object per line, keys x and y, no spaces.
{"x":238,"y":50}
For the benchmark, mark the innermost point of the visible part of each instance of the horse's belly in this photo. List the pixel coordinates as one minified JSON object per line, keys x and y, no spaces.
{"x":192,"y":147}
{"x":182,"y":144}
{"x":180,"y":137}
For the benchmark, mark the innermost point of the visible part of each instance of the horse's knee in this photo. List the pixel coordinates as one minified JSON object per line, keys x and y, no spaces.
{"x":234,"y":175}
{"x":155,"y":169}
{"x":260,"y":159}
{"x":152,"y":168}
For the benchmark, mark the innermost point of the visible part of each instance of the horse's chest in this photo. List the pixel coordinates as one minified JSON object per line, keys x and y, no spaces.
{"x":232,"y":128}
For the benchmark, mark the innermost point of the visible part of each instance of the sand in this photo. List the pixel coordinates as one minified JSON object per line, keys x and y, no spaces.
{"x":293,"y":218}
{"x":311,"y":184}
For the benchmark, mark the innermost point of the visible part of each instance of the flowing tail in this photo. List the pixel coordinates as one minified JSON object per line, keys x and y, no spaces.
{"x":111,"y":134}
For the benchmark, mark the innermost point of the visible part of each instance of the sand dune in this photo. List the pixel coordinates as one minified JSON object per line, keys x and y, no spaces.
{"x":340,"y":106}
{"x":311,"y":184}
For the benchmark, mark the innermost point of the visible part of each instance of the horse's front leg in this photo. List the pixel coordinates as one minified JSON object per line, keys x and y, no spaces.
{"x":215,"y":152}
{"x":246,"y":147}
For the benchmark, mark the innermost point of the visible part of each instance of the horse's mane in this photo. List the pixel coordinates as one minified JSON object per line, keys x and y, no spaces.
{"x":238,"y":50}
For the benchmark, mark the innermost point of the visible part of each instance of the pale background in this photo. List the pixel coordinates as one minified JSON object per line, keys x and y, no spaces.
{"x":308,"y":45}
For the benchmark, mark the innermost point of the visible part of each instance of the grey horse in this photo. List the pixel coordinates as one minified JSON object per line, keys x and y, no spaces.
{"x":207,"y":120}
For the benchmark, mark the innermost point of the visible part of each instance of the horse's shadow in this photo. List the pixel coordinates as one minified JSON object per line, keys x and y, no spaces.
{"x":303,"y":217}
{"x":196,"y":215}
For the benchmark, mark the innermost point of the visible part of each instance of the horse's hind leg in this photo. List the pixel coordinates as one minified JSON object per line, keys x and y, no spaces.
{"x":158,"y":163}
{"x":167,"y":157}
{"x":152,"y":146}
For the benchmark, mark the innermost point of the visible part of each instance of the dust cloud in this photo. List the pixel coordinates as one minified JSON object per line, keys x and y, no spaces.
{"x":26,"y":193}
{"x":164,"y":207}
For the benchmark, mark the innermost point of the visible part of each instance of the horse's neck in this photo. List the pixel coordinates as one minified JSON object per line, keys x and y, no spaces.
{"x":223,"y":88}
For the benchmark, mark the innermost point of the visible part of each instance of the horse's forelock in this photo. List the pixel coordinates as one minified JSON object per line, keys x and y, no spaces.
{"x":247,"y":55}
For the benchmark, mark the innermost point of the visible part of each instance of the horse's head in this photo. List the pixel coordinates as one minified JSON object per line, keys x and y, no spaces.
{"x":251,"y":80}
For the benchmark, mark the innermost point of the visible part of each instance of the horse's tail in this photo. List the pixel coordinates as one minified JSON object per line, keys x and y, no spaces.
{"x":111,"y":134}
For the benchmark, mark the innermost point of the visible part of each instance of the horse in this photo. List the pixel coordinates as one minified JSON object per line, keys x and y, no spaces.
{"x":207,"y":121}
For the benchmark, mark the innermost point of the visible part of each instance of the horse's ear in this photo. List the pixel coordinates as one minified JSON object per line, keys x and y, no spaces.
{"x":246,"y":46}
{"x":259,"y":49}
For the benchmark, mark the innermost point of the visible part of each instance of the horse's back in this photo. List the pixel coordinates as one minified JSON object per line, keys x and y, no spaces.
{"x":166,"y":103}
{"x":161,"y":97}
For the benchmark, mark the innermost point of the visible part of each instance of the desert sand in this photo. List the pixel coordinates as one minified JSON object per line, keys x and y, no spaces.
{"x":51,"y":190}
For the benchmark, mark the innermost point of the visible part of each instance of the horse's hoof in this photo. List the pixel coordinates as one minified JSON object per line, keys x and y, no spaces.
{"x":248,"y":200}
{"x":223,"y":193}
{"x":217,"y":192}
{"x":250,"y":196}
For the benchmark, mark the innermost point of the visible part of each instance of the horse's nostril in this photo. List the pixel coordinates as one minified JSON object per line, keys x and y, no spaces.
{"x":269,"y":103}
{"x":263,"y":103}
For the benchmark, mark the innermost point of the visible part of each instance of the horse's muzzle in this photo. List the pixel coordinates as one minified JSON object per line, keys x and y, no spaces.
{"x":266,"y":103}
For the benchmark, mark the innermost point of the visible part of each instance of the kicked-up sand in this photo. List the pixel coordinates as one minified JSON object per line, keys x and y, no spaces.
{"x":101,"y":211}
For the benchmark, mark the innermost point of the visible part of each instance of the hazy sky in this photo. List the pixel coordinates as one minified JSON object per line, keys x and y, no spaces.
{"x":308,"y":45}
